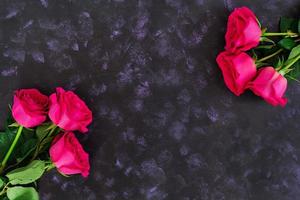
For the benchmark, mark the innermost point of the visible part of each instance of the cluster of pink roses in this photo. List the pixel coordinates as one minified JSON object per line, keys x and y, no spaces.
{"x":66,"y":111}
{"x":239,"y":69}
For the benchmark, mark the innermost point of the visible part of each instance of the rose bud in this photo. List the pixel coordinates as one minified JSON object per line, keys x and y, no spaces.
{"x":237,"y":69}
{"x":30,"y":107}
{"x":68,"y":111}
{"x":68,"y":156}
{"x":270,"y":85}
{"x":243,"y":31}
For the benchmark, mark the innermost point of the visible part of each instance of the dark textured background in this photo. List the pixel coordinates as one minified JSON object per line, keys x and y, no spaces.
{"x":165,"y":126}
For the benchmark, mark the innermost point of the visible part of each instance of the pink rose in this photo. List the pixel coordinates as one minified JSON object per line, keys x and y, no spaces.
{"x":30,"y":107}
{"x":238,"y":70}
{"x":270,"y":85}
{"x":243,"y":31}
{"x":68,"y":111}
{"x":68,"y":155}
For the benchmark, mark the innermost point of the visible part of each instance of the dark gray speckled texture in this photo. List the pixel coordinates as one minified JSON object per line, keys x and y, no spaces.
{"x":165,"y":126}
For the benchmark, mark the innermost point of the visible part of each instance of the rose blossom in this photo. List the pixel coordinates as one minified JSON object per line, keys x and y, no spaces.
{"x":68,"y":111}
{"x":68,"y":156}
{"x":243,"y":31}
{"x":30,"y":107}
{"x":270,"y":85}
{"x":237,"y":69}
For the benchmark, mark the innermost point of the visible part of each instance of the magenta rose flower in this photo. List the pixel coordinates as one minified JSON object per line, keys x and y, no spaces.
{"x":30,"y":107}
{"x":68,"y":111}
{"x":270,"y":85}
{"x":243,"y":31}
{"x":68,"y":156}
{"x":237,"y":69}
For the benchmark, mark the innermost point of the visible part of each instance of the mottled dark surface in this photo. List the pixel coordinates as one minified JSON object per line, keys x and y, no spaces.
{"x":165,"y":126}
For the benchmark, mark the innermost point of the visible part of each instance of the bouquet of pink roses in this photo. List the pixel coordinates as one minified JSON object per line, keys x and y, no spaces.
{"x":252,"y":60}
{"x":38,"y":137}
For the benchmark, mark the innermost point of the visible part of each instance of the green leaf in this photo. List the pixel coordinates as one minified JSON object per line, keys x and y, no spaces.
{"x":45,"y":144}
{"x":27,"y":134}
{"x":6,"y":139}
{"x":4,"y":198}
{"x":45,"y":135}
{"x":299,"y":26}
{"x":42,"y":131}
{"x":1,"y":183}
{"x":294,"y":53}
{"x":22,"y":193}
{"x":288,"y":24}
{"x":26,"y":149}
{"x":24,"y":142}
{"x":287,"y":43}
{"x":28,"y":146}
{"x":27,"y":174}
{"x":285,"y":24}
{"x":295,"y":73}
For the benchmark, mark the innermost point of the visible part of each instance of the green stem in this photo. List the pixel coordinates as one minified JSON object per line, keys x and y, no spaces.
{"x":270,"y":56}
{"x":294,"y":61}
{"x":285,"y":69}
{"x":290,"y":34}
{"x":4,"y":189}
{"x":10,"y":150}
{"x":50,"y":166}
{"x":52,"y":127}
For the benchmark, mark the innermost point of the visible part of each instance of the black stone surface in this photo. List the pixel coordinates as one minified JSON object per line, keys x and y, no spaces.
{"x":165,"y":126}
